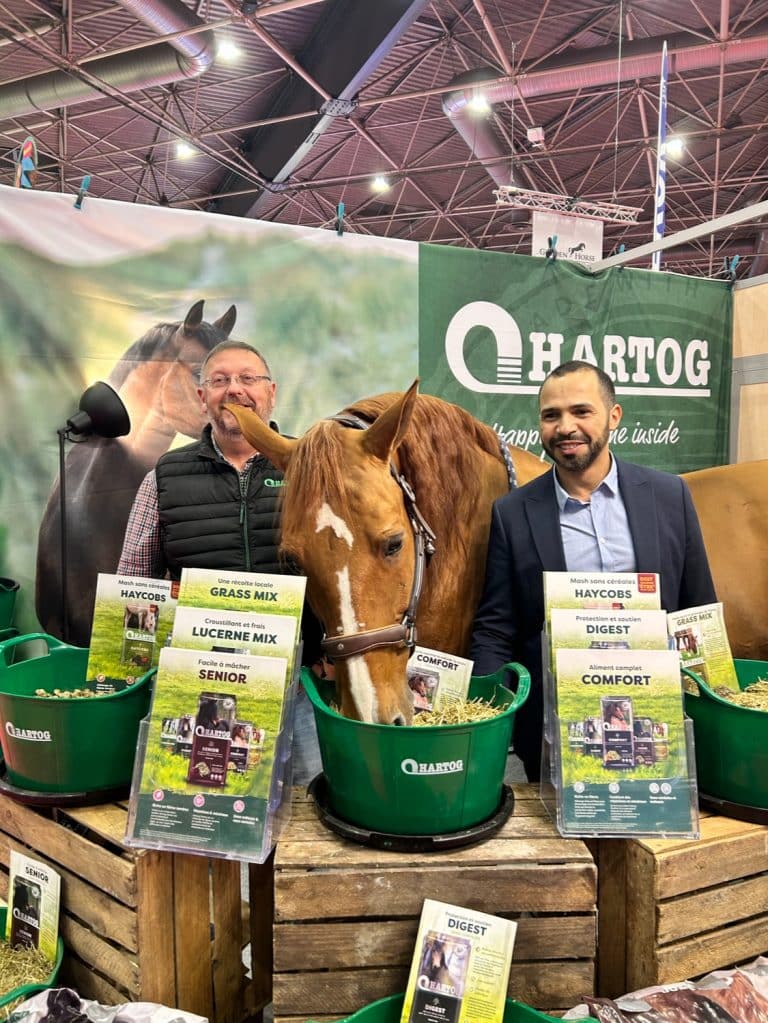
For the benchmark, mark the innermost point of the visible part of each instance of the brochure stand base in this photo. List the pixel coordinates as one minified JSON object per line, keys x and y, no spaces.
{"x":318,"y":790}
{"x":31,"y":797}
{"x":739,"y":811}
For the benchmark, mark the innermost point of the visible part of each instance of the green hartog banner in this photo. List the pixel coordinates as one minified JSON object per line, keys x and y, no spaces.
{"x":492,"y":326}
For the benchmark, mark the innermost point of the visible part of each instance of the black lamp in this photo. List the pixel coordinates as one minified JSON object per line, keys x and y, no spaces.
{"x":100,"y":413}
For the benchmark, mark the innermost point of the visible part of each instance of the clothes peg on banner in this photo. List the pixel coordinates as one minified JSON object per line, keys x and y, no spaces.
{"x":26,"y":164}
{"x":340,"y":219}
{"x":84,"y":185}
{"x":729,"y":268}
{"x":551,"y":252}
{"x":619,"y":251}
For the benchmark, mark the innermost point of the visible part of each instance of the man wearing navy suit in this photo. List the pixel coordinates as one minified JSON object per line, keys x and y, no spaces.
{"x":592,"y":513}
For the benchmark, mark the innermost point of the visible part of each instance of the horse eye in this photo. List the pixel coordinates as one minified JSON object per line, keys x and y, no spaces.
{"x":393,"y":545}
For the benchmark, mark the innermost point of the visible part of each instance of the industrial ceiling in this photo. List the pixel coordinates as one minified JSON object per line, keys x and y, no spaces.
{"x":320,"y":96}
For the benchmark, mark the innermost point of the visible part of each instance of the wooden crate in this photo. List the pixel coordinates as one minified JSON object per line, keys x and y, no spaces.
{"x":672,"y":910}
{"x":346,"y":916}
{"x":144,"y":925}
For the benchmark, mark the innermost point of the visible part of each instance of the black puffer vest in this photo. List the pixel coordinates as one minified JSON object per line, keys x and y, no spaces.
{"x":212,"y":518}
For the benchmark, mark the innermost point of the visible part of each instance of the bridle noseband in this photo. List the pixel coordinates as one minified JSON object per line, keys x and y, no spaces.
{"x":403,"y":634}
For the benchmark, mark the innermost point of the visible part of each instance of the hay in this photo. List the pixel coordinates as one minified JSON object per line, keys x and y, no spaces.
{"x":755,"y":696}
{"x":459,"y":713}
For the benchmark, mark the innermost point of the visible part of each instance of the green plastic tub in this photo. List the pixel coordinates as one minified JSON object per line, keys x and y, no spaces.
{"x":25,"y":991}
{"x":388,"y":1010}
{"x":731,"y":741}
{"x":417,"y":779}
{"x":64,"y":745}
{"x":8,"y":590}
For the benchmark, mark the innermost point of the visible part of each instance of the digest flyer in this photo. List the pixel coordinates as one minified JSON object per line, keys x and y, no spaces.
{"x":210,"y":753}
{"x":622,"y":743}
{"x":460,"y":967}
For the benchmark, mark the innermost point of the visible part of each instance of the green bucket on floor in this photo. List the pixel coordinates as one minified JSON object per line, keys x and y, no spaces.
{"x":731,"y":741}
{"x":8,"y":590}
{"x":52,"y":744}
{"x":388,"y":1010}
{"x":417,"y":779}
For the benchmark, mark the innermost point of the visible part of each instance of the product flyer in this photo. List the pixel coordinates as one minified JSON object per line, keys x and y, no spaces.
{"x":700,"y":637}
{"x":32,"y":920}
{"x":576,"y":629}
{"x":460,"y":967}
{"x":614,"y":591}
{"x":242,"y":591}
{"x":132,"y":622}
{"x":622,"y":745}
{"x":437,"y":679}
{"x":210,"y":759}
{"x":229,"y":632}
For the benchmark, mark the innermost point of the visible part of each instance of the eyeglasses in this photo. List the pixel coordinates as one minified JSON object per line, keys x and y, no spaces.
{"x":221,"y":380}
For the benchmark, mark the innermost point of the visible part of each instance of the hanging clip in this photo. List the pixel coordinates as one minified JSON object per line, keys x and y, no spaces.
{"x":340,"y":219}
{"x":551,"y":252}
{"x":84,"y":184}
{"x":619,"y":249}
{"x":26,"y":165}
{"x":729,"y":268}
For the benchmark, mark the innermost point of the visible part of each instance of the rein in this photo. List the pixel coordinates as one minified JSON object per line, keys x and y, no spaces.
{"x":403,"y":633}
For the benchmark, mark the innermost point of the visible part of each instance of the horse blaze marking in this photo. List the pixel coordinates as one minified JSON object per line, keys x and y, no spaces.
{"x":328,"y":519}
{"x":360,"y":681}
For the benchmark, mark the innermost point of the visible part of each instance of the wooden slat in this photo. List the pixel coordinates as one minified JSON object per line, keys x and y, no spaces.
{"x":711,"y":908}
{"x":154,"y":919}
{"x":227,"y":966}
{"x":107,"y":820}
{"x":611,"y":901}
{"x":713,"y":950}
{"x":81,"y":978}
{"x":192,"y":924}
{"x":358,"y":944}
{"x":503,"y":888}
{"x":712,"y":862}
{"x":121,"y":968}
{"x":261,"y":899}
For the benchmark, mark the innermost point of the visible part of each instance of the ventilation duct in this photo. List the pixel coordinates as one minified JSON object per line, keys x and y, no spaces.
{"x":158,"y":64}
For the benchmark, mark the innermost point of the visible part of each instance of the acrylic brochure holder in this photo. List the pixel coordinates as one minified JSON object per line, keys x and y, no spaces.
{"x":236,"y":812}
{"x":617,"y":754}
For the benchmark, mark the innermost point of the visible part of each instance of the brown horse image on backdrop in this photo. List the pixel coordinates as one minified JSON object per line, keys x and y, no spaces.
{"x":157,"y":380}
{"x":345,"y":522}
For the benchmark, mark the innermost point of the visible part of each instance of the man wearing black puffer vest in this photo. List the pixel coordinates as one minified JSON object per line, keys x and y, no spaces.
{"x":214,"y":503}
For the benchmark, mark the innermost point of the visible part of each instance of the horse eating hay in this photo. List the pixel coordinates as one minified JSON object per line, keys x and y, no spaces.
{"x":365,"y":491}
{"x":157,"y":381}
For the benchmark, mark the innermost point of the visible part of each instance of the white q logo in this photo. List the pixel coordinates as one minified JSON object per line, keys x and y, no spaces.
{"x":509,"y":347}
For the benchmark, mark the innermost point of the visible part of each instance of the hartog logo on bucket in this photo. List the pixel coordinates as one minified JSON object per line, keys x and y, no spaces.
{"x":409,"y":766}
{"x":29,"y":734}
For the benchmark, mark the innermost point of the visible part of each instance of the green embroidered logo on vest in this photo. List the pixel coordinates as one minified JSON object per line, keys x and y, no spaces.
{"x":274,"y":483}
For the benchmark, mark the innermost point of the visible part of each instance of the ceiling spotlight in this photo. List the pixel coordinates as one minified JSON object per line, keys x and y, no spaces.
{"x":674,"y":147}
{"x":380,"y":184}
{"x":479,"y":104}
{"x":184,"y":150}
{"x":227,"y":51}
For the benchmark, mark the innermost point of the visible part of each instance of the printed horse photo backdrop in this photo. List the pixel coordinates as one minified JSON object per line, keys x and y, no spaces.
{"x":156,"y":378}
{"x":347,"y":525}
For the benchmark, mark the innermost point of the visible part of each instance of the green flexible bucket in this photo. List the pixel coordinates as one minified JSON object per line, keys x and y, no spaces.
{"x":24,"y":991}
{"x":65,"y":745}
{"x":8,"y":591}
{"x":731,"y":741}
{"x":417,"y":779}
{"x":389,"y":1010}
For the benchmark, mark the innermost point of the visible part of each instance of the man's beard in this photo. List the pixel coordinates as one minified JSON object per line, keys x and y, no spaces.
{"x":578,"y":463}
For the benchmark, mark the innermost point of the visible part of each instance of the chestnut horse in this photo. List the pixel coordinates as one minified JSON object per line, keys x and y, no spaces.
{"x":357,"y":534}
{"x":157,"y":381}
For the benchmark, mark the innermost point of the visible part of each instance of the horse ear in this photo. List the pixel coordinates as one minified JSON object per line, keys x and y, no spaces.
{"x":262,"y":437}
{"x":226,"y":322}
{"x":386,"y":434}
{"x":194,"y":317}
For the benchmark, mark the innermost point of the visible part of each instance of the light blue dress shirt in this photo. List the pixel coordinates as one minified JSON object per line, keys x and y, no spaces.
{"x":596,"y":534}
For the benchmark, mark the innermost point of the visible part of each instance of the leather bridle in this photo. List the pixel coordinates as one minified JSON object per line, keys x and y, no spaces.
{"x":402,"y":634}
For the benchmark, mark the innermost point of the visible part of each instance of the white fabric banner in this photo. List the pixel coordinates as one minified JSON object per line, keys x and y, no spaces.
{"x":579,"y":239}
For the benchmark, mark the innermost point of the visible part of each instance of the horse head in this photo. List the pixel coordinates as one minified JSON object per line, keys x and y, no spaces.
{"x":346,"y":525}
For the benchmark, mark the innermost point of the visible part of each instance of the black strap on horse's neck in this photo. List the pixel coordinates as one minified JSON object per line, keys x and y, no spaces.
{"x":511,"y":474}
{"x":403,"y":633}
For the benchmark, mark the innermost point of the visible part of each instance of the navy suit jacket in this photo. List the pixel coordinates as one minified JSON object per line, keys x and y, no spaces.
{"x":525,"y":541}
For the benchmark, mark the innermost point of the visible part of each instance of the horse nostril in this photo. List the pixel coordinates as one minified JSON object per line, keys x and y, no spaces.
{"x":399,"y":720}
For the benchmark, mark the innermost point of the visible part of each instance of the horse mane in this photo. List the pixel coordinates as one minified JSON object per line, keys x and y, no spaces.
{"x":438,"y":457}
{"x":151,"y":346}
